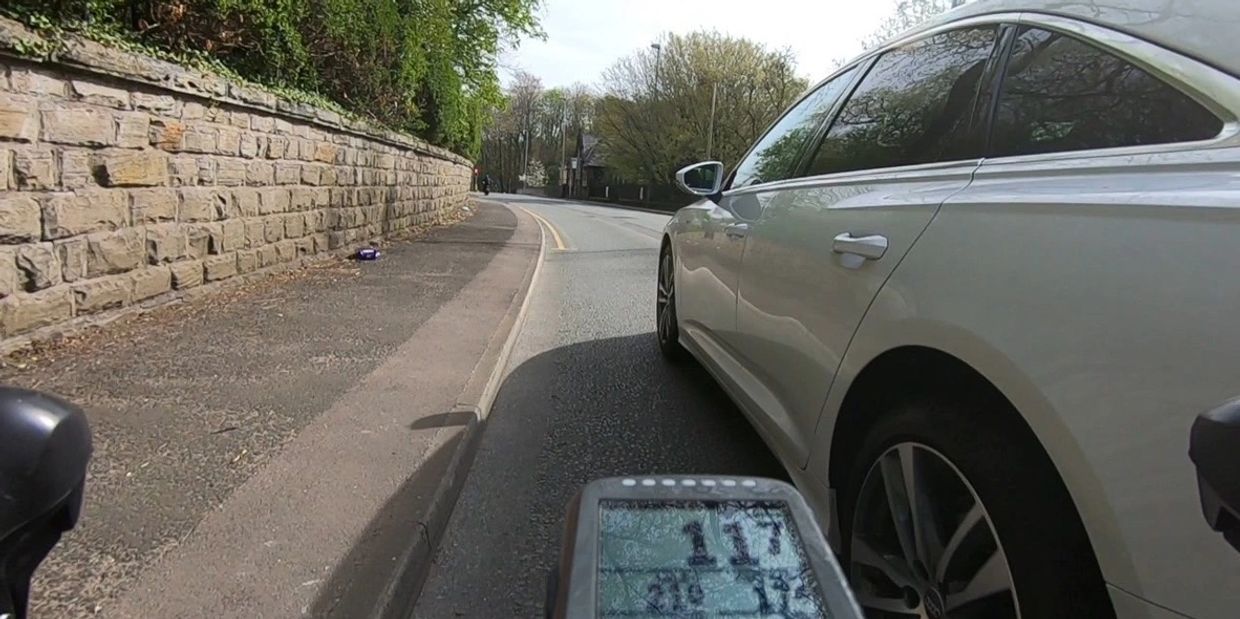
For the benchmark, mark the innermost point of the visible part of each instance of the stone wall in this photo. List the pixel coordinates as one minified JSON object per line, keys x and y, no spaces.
{"x":126,"y":182}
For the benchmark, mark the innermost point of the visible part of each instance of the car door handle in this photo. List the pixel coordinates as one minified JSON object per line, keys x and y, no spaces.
{"x":736,"y":231}
{"x":871,"y":247}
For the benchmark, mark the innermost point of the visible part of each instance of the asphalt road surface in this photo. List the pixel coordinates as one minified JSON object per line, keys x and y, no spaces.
{"x":588,"y":396}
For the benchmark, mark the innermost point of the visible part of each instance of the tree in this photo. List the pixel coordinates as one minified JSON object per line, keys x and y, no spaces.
{"x":908,"y":14}
{"x":550,"y":120}
{"x":654,"y":114}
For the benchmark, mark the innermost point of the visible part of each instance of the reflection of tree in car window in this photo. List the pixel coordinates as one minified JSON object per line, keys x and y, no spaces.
{"x":776,"y":155}
{"x":1061,"y":94}
{"x":914,"y":106}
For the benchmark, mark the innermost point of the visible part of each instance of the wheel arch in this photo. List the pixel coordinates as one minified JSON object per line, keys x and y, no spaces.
{"x":941,"y":364}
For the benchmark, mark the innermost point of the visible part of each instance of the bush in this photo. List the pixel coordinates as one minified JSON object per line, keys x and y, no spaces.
{"x":422,"y":66}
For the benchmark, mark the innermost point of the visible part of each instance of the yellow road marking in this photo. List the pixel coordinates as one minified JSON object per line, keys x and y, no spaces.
{"x":555,"y":234}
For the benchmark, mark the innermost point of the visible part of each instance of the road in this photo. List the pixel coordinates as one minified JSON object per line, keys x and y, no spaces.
{"x":588,"y":396}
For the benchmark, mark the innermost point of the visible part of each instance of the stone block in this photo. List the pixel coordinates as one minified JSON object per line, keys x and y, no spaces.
{"x":337,"y":239}
{"x":267,"y":255}
{"x":206,"y":170}
{"x":96,"y":295}
{"x":202,"y":139}
{"x":72,"y":256}
{"x":20,"y":218}
{"x":140,"y":169}
{"x":77,"y":171}
{"x":229,"y":236}
{"x":304,"y":246}
{"x":36,"y":82}
{"x":18,"y":120}
{"x":246,"y":202}
{"x":78,"y":126}
{"x":38,"y":267}
{"x":260,"y":173}
{"x":115,"y":252}
{"x":70,"y":214}
{"x":247,"y":260}
{"x":35,"y":170}
{"x":239,"y":119}
{"x":150,"y":282}
{"x":300,"y":199}
{"x":249,"y":145}
{"x":286,"y":250}
{"x":22,"y":313}
{"x":166,"y":243}
{"x":228,"y":141}
{"x":274,"y":230}
{"x":288,"y":173}
{"x":182,"y":171}
{"x":193,"y":111}
{"x":321,"y":242}
{"x":132,"y":129}
{"x":277,"y":147}
{"x":10,"y":280}
{"x":98,"y":94}
{"x":161,"y":104}
{"x":284,"y":127}
{"x":263,"y":124}
{"x":220,"y":267}
{"x":202,"y":205}
{"x":230,"y":172}
{"x":148,"y":206}
{"x":273,"y":200}
{"x":294,"y":225}
{"x":186,"y":274}
{"x":325,"y":152}
{"x":255,"y":232}
{"x":167,"y":134}
{"x":311,"y":174}
{"x":327,"y":176}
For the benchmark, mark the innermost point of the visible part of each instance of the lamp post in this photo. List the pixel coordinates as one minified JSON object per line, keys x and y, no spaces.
{"x":658,"y":55}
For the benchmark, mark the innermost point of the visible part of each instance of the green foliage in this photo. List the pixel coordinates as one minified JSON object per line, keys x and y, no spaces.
{"x":423,"y":66}
{"x":655,"y":115}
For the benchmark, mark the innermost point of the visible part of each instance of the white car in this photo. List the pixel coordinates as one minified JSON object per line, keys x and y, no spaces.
{"x":974,"y":289}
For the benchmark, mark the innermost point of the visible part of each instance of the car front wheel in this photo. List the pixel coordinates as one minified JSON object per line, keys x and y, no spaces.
{"x":667,"y":327}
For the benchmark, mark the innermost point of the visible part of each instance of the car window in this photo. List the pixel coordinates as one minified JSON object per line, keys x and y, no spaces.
{"x":914,"y":106}
{"x":776,"y":155}
{"x":1061,"y":94}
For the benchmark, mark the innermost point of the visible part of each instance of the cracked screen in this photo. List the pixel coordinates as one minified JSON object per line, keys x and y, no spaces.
{"x":703,"y":559}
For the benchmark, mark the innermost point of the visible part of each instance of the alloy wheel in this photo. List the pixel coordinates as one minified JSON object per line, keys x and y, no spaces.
{"x":665,"y":306}
{"x":922,"y":544}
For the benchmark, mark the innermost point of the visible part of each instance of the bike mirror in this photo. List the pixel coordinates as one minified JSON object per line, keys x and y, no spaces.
{"x":44,"y":449}
{"x":1214,"y":446}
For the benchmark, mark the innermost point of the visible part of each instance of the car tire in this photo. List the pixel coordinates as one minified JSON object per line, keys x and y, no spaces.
{"x":1024,"y":509}
{"x":667,"y":326}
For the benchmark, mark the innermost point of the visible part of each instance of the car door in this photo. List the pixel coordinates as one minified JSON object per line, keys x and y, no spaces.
{"x":712,"y":236}
{"x":903,"y":142}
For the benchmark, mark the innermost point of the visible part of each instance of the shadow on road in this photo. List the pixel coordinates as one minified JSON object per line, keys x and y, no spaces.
{"x":592,"y":409}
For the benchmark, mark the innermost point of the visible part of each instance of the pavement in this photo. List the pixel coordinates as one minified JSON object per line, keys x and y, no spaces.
{"x":280,"y":449}
{"x":587,"y":395}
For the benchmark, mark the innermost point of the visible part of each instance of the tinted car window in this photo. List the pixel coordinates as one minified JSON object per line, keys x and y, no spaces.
{"x":1061,"y":94}
{"x":776,"y":155}
{"x":914,"y":106}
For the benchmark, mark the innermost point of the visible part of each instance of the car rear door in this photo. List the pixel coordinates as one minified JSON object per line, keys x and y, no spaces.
{"x":904,"y":141}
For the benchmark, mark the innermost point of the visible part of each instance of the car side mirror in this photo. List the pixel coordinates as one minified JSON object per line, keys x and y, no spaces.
{"x":44,"y":449}
{"x":701,"y":179}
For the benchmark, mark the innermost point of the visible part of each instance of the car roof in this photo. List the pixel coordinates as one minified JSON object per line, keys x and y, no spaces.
{"x":1202,"y":29}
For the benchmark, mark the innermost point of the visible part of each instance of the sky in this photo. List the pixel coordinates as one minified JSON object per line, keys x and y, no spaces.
{"x":584,"y":37}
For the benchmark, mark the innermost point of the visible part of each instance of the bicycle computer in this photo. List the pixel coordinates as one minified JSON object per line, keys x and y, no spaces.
{"x":672,"y":546}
